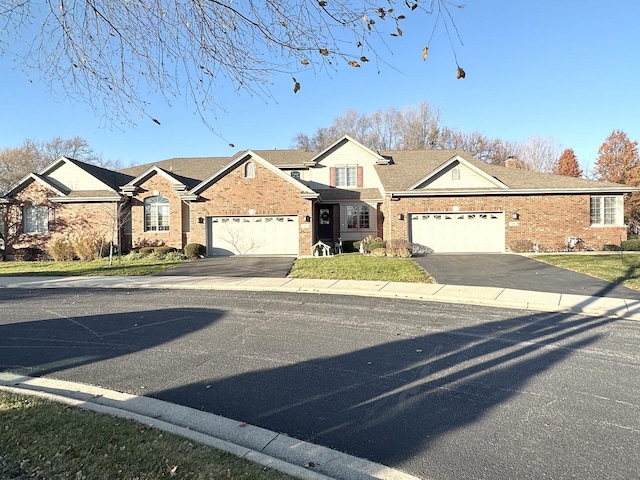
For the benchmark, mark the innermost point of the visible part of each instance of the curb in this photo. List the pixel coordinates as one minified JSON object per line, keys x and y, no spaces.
{"x":261,"y":446}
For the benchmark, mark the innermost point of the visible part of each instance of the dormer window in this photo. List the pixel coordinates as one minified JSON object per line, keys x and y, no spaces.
{"x":249,"y":170}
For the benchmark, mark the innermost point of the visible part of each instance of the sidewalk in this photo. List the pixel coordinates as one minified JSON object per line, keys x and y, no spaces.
{"x":458,"y":294}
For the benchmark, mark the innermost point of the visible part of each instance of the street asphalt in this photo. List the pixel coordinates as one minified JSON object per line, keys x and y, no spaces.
{"x":511,"y":281}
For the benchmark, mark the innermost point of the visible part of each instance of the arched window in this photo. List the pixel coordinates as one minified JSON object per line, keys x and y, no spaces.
{"x":249,"y":170}
{"x":156,"y":214}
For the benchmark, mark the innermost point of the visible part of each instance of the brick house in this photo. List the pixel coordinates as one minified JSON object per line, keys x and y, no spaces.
{"x":283,"y":201}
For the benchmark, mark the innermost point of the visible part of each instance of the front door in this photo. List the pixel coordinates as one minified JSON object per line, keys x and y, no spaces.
{"x":325,"y":223}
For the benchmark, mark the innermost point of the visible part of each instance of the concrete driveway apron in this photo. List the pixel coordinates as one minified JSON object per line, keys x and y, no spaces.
{"x":237,"y":266}
{"x":516,"y":272}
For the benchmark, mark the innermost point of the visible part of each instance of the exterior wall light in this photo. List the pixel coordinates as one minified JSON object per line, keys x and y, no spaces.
{"x":516,"y":216}
{"x":200,"y":219}
{"x":307,"y":218}
{"x":401,"y":216}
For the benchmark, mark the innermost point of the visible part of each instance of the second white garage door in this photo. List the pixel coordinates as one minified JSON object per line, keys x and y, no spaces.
{"x":256,"y":235}
{"x":459,"y":232}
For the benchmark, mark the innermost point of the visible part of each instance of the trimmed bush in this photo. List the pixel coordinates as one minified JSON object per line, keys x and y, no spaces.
{"x":195,"y":250}
{"x":631,"y":245}
{"x":27,"y":254}
{"x":163,"y":250}
{"x":379,"y":252}
{"x":146,"y":250}
{"x":374,"y":244}
{"x":611,"y":248}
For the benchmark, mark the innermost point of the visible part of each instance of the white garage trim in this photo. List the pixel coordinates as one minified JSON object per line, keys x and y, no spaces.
{"x":458,"y":232}
{"x":253,"y":235}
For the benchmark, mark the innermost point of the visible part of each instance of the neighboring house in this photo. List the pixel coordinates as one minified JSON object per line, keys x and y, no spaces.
{"x":283,"y":201}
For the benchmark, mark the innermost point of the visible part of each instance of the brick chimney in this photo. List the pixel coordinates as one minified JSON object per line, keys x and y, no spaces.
{"x":511,"y":162}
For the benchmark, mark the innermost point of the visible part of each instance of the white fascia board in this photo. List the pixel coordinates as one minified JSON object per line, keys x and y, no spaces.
{"x":84,"y":199}
{"x":511,"y":192}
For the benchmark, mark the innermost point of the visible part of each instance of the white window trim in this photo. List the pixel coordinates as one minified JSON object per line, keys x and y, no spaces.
{"x":154,"y":224}
{"x":618,"y":213}
{"x":344,"y":181}
{"x":28,"y":212}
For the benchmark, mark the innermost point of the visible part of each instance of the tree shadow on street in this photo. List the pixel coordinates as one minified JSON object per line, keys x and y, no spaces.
{"x":403,"y":393}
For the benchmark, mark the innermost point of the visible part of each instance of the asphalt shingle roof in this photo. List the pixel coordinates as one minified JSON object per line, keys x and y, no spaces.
{"x":189,"y":170}
{"x":409,"y":167}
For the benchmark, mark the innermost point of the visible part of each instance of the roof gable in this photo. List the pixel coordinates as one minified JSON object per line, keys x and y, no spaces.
{"x":177,"y":182}
{"x":73,"y":175}
{"x":68,"y":177}
{"x":468,"y":176}
{"x":243,"y":157}
{"x":345,"y":142}
{"x":27,"y":180}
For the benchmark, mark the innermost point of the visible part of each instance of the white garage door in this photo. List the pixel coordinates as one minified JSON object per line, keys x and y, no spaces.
{"x":459,"y":232}
{"x":257,"y":235}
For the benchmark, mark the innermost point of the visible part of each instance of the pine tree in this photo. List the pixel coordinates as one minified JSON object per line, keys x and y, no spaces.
{"x":567,"y":164}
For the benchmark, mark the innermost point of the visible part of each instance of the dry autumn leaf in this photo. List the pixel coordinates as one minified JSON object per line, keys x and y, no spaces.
{"x":296,"y":86}
{"x":425,"y":52}
{"x":353,"y":63}
{"x":324,"y":51}
{"x":461,"y":73}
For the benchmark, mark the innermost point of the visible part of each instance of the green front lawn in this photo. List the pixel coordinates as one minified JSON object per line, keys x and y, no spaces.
{"x":621,"y":269}
{"x":121,"y":267}
{"x":360,"y":267}
{"x":46,"y":440}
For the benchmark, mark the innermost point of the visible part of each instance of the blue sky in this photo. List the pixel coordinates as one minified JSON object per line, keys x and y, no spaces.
{"x":563,"y":69}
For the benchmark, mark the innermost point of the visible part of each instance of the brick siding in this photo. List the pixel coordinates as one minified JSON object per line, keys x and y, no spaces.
{"x":95,"y":218}
{"x":546,"y":220}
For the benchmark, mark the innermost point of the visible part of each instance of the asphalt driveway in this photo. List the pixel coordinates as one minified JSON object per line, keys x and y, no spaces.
{"x":517,"y":272}
{"x":234,"y":266}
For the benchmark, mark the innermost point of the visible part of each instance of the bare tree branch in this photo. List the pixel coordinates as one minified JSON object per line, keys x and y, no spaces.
{"x":113,"y":54}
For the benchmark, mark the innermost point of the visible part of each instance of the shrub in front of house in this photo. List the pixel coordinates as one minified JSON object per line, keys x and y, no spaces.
{"x":522,"y":246}
{"x":146,"y":250}
{"x":399,"y":249}
{"x":163,"y":250}
{"x":27,"y":254}
{"x":379,"y":252}
{"x":609,"y":247}
{"x":87,"y":244}
{"x":60,"y":248}
{"x":195,"y":250}
{"x":350,"y":246}
{"x":631,"y":245}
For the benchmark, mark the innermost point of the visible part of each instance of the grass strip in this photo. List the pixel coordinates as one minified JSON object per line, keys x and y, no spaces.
{"x":42,"y":439}
{"x":622,"y":269}
{"x":360,"y":267}
{"x":120,"y":267}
